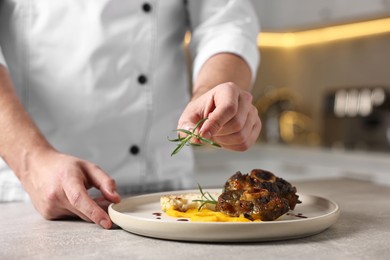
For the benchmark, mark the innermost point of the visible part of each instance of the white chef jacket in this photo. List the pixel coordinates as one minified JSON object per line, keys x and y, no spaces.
{"x":106,"y":81}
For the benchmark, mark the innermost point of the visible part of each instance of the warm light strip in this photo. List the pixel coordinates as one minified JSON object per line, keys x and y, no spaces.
{"x":323,"y":35}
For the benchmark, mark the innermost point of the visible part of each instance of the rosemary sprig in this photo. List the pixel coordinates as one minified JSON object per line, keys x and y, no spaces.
{"x":186,"y":141}
{"x":206,"y":198}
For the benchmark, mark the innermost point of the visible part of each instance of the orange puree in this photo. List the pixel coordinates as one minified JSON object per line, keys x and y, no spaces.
{"x":205,"y":215}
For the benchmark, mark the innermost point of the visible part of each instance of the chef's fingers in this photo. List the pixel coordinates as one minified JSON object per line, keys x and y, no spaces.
{"x":226,"y":103}
{"x":243,"y":118}
{"x":100,"y":201}
{"x":79,"y":199}
{"x":216,"y":100}
{"x":243,"y":144}
{"x":60,"y":208}
{"x":100,"y":180}
{"x":70,"y":211}
{"x":103,"y":203}
{"x":238,"y":137}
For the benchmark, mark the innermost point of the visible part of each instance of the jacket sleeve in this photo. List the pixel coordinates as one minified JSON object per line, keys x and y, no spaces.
{"x":2,"y":60}
{"x":219,"y":26}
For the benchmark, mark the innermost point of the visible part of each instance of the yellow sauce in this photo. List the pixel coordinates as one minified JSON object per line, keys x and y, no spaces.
{"x":205,"y":215}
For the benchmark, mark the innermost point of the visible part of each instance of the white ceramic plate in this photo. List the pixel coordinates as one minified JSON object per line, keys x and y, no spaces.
{"x":140,"y":215}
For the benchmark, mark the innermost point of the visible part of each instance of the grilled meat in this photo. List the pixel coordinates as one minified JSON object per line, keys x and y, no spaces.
{"x":259,"y":195}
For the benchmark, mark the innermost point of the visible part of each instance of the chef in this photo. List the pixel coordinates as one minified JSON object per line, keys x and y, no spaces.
{"x":90,"y":90}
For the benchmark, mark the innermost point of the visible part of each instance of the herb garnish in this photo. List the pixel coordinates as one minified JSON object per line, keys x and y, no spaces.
{"x":206,"y":198}
{"x":187,"y":139}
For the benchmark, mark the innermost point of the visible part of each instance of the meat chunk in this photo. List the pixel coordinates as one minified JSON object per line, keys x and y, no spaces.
{"x":258,"y":195}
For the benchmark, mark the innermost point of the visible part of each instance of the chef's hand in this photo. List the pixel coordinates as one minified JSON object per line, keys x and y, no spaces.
{"x":233,"y":121}
{"x":57,"y":184}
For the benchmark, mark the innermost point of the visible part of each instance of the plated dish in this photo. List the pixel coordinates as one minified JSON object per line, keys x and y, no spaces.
{"x":142,"y":215}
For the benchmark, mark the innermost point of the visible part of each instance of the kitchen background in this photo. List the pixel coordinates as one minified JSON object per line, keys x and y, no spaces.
{"x":324,"y":78}
{"x":322,"y":91}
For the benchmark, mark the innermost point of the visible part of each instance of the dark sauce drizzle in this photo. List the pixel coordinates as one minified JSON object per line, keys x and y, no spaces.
{"x":298,"y":215}
{"x":157,"y":214}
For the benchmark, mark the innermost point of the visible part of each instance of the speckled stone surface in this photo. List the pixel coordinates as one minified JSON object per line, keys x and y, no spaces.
{"x":362,"y":232}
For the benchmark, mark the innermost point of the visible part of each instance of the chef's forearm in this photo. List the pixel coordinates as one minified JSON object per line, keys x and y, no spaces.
{"x":221,"y":68}
{"x":19,"y":136}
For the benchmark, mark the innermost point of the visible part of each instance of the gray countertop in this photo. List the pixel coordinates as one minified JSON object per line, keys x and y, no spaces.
{"x":362,"y":232}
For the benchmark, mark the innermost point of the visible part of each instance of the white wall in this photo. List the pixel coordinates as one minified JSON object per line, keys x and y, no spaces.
{"x":285,"y":15}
